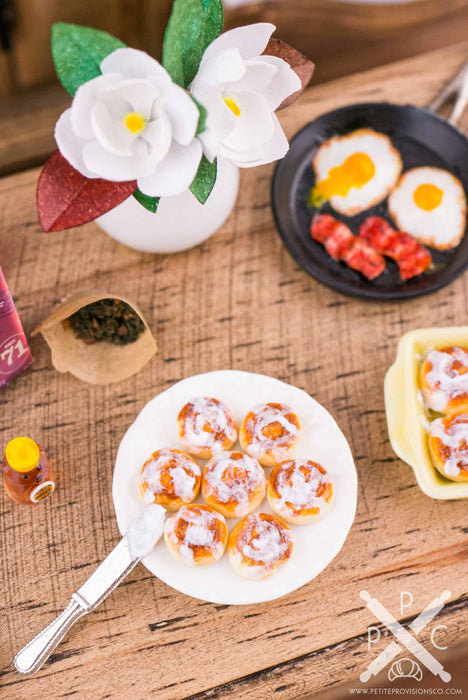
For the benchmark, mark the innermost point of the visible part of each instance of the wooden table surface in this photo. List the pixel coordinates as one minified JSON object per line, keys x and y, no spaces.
{"x":237,"y":301}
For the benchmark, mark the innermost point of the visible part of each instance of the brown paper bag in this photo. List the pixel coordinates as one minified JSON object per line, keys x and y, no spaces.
{"x":100,"y":362}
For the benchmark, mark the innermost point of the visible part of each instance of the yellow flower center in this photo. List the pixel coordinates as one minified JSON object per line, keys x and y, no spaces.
{"x":134,"y":122}
{"x":233,"y":106}
{"x":427,"y":197}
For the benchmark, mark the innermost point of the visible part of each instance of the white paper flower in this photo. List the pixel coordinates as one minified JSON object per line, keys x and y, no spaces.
{"x":132,"y":122}
{"x":241,"y":89}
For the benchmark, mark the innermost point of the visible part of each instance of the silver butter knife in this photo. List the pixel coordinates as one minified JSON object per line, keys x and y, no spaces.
{"x":143,"y":534}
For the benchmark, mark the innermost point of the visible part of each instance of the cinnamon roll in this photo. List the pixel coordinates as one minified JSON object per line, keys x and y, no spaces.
{"x":299,"y":491}
{"x":448,"y":446}
{"x":234,"y":484}
{"x":206,"y":426}
{"x":170,"y":478}
{"x":196,"y":535}
{"x":270,"y":432}
{"x":259,"y":545}
{"x":444,"y":379}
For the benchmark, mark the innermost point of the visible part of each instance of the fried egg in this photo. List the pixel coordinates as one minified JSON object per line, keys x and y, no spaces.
{"x":355,"y":171}
{"x":430,"y":204}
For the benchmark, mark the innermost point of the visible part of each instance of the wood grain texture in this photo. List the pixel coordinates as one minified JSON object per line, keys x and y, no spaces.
{"x":237,"y":301}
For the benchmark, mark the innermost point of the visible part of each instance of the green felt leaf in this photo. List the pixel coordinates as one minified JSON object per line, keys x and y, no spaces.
{"x":150,"y":203}
{"x":204,"y":180}
{"x":192,"y":26}
{"x":78,"y":52}
{"x":203,"y":115}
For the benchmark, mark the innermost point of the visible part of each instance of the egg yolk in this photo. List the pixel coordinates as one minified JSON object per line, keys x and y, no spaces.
{"x":427,"y":197}
{"x":355,"y":171}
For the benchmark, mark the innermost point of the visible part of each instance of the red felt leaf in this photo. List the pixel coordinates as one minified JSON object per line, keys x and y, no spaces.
{"x":298,"y":62}
{"x":66,"y":198}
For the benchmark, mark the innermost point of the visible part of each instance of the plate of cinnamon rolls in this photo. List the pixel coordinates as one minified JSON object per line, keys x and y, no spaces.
{"x":257,"y":479}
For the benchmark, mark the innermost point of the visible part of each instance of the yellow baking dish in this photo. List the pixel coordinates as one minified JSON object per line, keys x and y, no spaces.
{"x":406,"y":417}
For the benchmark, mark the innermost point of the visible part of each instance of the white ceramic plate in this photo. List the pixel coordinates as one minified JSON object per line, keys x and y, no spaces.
{"x":321,"y":440}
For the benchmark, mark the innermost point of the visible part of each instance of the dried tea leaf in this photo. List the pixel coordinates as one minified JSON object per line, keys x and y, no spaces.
{"x":107,"y":320}
{"x":298,"y":62}
{"x":97,"y":362}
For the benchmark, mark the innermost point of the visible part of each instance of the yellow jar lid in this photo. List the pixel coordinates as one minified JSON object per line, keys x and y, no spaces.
{"x":22,"y":454}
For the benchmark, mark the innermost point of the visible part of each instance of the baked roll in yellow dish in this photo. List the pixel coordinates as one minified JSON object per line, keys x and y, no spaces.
{"x":269,"y":432}
{"x":259,"y":545}
{"x":448,"y":445}
{"x":408,"y":419}
{"x":299,"y":491}
{"x":444,"y":379}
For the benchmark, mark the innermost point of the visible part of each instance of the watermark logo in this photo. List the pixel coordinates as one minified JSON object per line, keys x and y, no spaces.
{"x":405,"y":639}
{"x":405,"y":668}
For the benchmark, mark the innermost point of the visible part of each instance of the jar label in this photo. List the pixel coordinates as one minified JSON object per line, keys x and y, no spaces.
{"x":42,"y":491}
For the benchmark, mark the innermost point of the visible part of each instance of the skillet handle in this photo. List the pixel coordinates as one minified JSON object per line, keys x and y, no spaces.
{"x":458,"y":86}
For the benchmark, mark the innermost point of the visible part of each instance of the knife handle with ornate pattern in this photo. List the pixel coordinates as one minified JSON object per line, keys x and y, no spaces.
{"x":32,"y":656}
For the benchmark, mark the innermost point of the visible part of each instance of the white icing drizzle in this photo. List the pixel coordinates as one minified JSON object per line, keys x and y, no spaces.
{"x":269,"y":544}
{"x":197,"y":533}
{"x":453,"y":435}
{"x":298,"y":486}
{"x":259,"y":443}
{"x":214,"y":415}
{"x":443,"y":381}
{"x":183,"y":473}
{"x":229,"y":479}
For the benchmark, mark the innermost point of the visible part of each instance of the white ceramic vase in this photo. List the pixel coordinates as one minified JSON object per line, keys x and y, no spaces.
{"x":180,"y":222}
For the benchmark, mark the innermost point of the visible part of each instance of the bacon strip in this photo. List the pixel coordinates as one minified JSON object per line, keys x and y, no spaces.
{"x":363,"y":258}
{"x":342,"y":245}
{"x":411,"y":257}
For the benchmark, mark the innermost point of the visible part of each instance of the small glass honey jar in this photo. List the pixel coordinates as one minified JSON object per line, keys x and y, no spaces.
{"x":27,"y":475}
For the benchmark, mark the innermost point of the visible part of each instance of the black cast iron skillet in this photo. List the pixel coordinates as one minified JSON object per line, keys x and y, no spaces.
{"x":422,"y":139}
